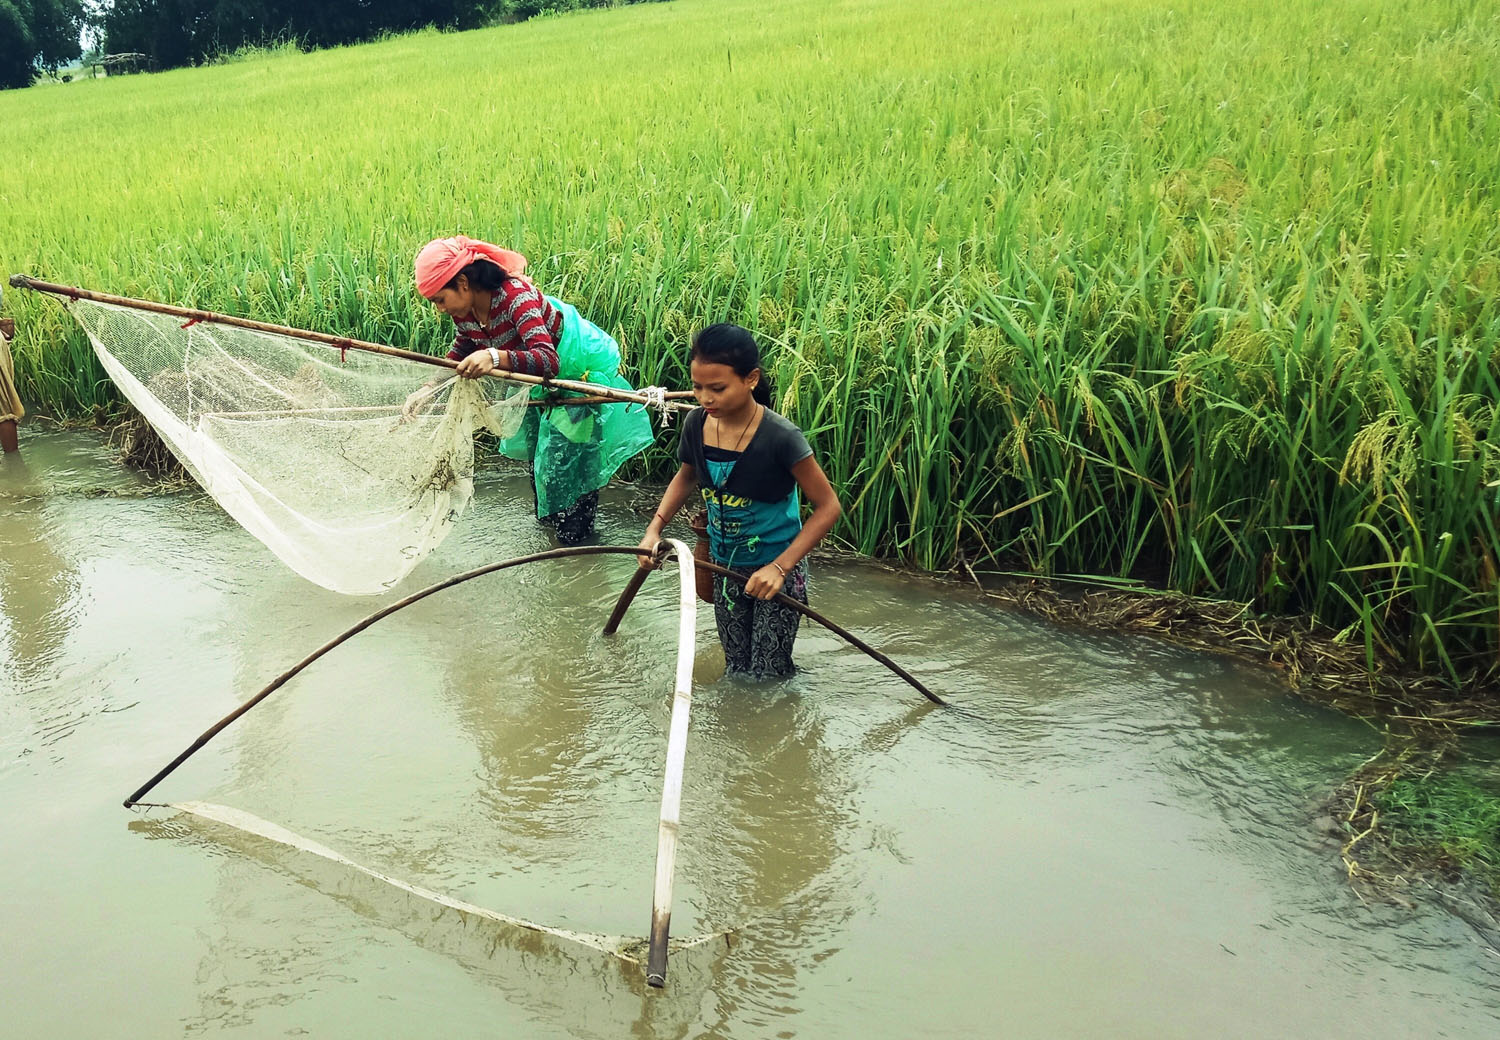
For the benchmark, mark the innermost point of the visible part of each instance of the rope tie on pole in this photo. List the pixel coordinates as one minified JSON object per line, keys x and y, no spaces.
{"x":656,"y":399}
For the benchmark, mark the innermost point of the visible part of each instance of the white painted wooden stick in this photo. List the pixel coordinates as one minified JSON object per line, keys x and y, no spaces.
{"x":671,"y":790}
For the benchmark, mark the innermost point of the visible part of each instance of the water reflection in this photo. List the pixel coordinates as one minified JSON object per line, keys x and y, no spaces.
{"x":38,"y":579}
{"x":263,"y":959}
{"x":771,"y":821}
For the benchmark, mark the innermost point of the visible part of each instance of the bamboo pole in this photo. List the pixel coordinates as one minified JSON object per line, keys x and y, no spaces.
{"x":286,"y":676}
{"x":10,"y":441}
{"x":674,"y":398}
{"x":671,"y":790}
{"x":387,"y":409}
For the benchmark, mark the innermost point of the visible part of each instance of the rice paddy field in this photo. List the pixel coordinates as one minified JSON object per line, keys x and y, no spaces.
{"x":1206,"y":296}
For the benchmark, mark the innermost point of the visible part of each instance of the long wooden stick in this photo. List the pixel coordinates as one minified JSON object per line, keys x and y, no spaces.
{"x":21,"y":281}
{"x":286,"y":676}
{"x":388,"y":409}
{"x":623,"y":603}
{"x":552,"y":554}
{"x":671,"y":788}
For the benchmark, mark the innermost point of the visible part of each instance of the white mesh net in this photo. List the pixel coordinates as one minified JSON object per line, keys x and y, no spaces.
{"x":314,"y":450}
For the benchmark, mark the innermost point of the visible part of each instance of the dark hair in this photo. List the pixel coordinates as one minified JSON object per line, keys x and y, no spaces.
{"x":482,"y":274}
{"x":731,"y":345}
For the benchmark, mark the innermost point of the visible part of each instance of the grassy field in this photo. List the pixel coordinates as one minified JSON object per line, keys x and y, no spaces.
{"x":1205,"y":295}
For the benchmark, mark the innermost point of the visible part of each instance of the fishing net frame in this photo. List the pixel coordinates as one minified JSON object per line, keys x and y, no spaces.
{"x":659,"y":938}
{"x":658,"y":941}
{"x":352,"y":467}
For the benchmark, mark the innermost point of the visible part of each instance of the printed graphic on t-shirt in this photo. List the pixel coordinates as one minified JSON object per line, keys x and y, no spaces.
{"x":743,"y":532}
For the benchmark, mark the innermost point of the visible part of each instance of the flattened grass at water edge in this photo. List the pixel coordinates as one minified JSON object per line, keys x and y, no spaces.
{"x":1119,"y":288}
{"x":1447,"y":818}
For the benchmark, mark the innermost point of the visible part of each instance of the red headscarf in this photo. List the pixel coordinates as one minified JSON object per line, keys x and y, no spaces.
{"x":442,"y":258}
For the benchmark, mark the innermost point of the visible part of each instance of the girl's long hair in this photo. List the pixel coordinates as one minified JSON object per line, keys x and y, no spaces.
{"x":731,"y":345}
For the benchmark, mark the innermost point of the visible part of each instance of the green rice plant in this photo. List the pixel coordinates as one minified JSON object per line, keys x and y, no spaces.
{"x":1206,"y":298}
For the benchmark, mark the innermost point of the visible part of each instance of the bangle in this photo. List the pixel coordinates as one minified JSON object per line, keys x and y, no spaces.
{"x":779,"y":567}
{"x":664,"y":520}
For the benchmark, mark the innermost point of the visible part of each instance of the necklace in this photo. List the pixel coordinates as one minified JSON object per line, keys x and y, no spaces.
{"x":746,"y":429}
{"x":480,"y":313}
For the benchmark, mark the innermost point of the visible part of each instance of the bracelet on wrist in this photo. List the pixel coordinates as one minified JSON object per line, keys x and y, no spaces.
{"x":779,"y":567}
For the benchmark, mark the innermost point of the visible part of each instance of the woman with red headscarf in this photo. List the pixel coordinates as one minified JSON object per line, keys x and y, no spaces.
{"x":504,"y":322}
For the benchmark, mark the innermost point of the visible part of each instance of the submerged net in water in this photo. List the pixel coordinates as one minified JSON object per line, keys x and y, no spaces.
{"x":307,"y":446}
{"x":629,"y":949}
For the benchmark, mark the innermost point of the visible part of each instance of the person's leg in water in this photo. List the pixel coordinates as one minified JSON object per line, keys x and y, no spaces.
{"x":569,"y":461}
{"x":775,"y":629}
{"x":758,"y":634}
{"x":734,"y":615}
{"x":575,"y":524}
{"x":10,"y":404}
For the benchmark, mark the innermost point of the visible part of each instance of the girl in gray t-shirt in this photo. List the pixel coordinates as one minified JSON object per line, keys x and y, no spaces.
{"x":749,"y":465}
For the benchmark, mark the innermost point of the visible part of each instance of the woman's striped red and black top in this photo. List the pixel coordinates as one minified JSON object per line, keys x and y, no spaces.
{"x":522,"y":323}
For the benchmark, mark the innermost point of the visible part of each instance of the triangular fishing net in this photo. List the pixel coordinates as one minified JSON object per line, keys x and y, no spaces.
{"x":307,"y":445}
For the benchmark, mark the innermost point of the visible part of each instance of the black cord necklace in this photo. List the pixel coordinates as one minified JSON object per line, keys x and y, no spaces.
{"x":720,"y":424}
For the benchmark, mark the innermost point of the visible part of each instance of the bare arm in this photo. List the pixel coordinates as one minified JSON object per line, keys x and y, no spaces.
{"x":678,"y":491}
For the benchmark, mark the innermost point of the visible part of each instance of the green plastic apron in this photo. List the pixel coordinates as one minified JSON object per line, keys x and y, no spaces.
{"x":575,"y":449}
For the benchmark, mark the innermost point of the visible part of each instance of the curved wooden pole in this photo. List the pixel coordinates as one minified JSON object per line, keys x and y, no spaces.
{"x":626,"y":597}
{"x":621,"y":606}
{"x":286,"y":676}
{"x":639,"y":576}
{"x":671,"y":801}
{"x":73,"y":292}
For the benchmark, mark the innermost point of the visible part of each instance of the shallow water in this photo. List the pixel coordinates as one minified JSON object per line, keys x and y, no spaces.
{"x":1115,"y":839}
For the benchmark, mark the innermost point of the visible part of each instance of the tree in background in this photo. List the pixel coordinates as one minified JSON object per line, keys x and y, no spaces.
{"x":16,"y":51}
{"x":56,"y":26}
{"x":43,"y":35}
{"x":38,"y":36}
{"x":163,"y":30}
{"x":185,"y":32}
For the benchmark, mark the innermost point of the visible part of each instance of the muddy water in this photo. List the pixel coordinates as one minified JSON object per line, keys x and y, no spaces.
{"x":1116,"y":839}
